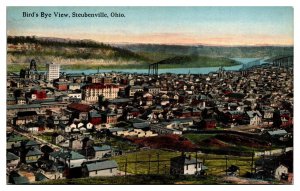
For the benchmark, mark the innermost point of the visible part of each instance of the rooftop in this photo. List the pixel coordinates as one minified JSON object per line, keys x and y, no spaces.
{"x":101,"y":165}
{"x":102,"y":148}
{"x":11,"y":156}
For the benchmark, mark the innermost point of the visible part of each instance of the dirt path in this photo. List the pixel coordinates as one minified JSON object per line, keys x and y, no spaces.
{"x":239,"y":180}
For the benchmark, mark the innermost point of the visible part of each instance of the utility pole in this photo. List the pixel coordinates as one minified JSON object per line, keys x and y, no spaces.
{"x":196,"y":161}
{"x":252,"y":162}
{"x":157,"y":163}
{"x":149,"y":163}
{"x":226,"y":165}
{"x":135,"y":163}
{"x":126,"y":167}
{"x":86,"y":152}
{"x":165,"y":169}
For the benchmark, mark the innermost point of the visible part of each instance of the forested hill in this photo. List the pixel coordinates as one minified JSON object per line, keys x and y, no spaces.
{"x":211,"y":51}
{"x":67,"y":48}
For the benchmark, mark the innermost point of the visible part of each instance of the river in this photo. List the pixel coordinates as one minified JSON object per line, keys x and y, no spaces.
{"x":204,"y":70}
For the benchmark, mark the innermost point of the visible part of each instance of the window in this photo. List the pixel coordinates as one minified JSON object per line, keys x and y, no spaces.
{"x":111,"y":170}
{"x":96,"y":172}
{"x":187,"y":167}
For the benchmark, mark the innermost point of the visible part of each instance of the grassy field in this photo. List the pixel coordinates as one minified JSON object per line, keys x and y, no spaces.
{"x":216,"y":163}
{"x":138,"y":180}
{"x":229,"y":146}
{"x":198,"y":137}
{"x":159,"y":179}
{"x":143,"y":166}
{"x":117,"y":143}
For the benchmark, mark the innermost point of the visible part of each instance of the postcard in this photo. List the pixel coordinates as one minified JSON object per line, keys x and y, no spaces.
{"x":149,"y":95}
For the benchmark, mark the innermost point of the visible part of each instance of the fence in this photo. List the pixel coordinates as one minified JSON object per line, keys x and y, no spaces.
{"x":159,"y":163}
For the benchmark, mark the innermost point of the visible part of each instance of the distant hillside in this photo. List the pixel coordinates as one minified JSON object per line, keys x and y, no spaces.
{"x":88,"y":54}
{"x":211,"y":51}
{"x":66,"y":51}
{"x":196,"y":61}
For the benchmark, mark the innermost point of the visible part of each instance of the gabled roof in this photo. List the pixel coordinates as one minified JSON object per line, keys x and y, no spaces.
{"x":102,"y":148}
{"x":251,"y":114}
{"x":101,"y":165}
{"x":32,"y":143}
{"x":34,"y":152}
{"x":277,"y":132}
{"x":15,"y":138}
{"x":11,"y":156}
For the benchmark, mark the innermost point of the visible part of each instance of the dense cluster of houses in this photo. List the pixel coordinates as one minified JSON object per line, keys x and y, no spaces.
{"x":136,"y":105}
{"x":28,"y":159}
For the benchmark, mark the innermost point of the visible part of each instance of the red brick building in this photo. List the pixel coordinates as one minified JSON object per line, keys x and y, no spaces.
{"x":61,"y":86}
{"x":208,"y":124}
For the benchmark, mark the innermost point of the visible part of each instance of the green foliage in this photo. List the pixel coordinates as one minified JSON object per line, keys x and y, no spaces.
{"x":195,"y":138}
{"x":45,"y":137}
{"x":196,"y":61}
{"x":213,"y":51}
{"x":79,"y":49}
{"x":143,"y":166}
{"x":216,"y":163}
{"x":138,"y":180}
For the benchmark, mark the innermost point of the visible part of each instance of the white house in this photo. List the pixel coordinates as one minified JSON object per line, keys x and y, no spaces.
{"x":12,"y":160}
{"x":185,"y":165}
{"x":70,"y":158}
{"x":254,"y":117}
{"x":101,"y":151}
{"x":100,"y":168}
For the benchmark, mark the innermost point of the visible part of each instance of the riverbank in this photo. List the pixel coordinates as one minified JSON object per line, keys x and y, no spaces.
{"x":94,"y":64}
{"x":83,"y":67}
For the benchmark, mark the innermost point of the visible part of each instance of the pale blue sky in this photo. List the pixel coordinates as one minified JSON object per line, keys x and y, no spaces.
{"x":171,"y":25}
